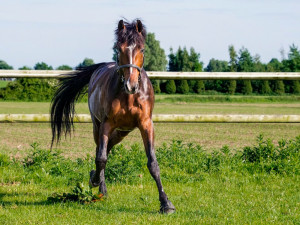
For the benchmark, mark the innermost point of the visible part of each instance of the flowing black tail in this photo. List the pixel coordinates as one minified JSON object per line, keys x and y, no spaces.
{"x":70,"y":89}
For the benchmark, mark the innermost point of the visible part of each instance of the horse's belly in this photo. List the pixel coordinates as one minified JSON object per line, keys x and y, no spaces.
{"x":94,"y":102}
{"x":125,"y":129}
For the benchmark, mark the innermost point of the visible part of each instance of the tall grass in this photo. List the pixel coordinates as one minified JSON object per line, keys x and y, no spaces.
{"x":179,"y":162}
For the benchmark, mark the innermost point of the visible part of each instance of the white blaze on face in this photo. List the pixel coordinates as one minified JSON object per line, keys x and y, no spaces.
{"x":131,"y":47}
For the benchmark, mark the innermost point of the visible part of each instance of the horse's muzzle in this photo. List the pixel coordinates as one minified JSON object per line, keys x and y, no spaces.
{"x":131,"y":89}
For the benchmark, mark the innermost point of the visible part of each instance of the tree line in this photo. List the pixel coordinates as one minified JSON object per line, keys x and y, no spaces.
{"x":180,"y":60}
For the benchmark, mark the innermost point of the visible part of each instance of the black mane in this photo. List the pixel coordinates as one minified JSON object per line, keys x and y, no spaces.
{"x":130,"y":35}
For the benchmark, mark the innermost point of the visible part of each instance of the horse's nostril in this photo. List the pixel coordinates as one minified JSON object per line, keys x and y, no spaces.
{"x":133,"y":89}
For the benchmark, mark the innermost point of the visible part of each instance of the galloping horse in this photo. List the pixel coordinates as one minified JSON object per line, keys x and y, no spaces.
{"x":120,"y":99}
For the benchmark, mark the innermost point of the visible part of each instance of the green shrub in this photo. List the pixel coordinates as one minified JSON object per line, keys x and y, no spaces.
{"x":156,"y":87}
{"x":247,"y":87}
{"x":296,"y":87}
{"x":265,"y":89}
{"x":29,"y":89}
{"x":279,"y":87}
{"x":266,"y":157}
{"x":170,"y":87}
{"x":182,"y":87}
{"x":232,"y":87}
{"x":199,"y":87}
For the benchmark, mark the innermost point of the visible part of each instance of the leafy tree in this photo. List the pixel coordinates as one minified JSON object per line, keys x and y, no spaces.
{"x":292,"y":64}
{"x":194,"y":59}
{"x":258,"y":66}
{"x":245,"y":64}
{"x":64,"y":67}
{"x":25,"y":68}
{"x":196,"y":86}
{"x":42,"y":66}
{"x":86,"y":62}
{"x":183,"y":60}
{"x":5,"y":66}
{"x":260,"y":86}
{"x":245,"y":61}
{"x":215,"y":65}
{"x":31,"y":89}
{"x":155,"y":57}
{"x":276,"y":66}
{"x":233,"y":62}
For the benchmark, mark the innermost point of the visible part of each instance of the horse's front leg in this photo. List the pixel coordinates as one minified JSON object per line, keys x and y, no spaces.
{"x":147,"y":131}
{"x":97,"y":177}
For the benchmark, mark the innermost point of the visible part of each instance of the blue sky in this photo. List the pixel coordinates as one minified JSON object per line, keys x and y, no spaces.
{"x":66,"y":31}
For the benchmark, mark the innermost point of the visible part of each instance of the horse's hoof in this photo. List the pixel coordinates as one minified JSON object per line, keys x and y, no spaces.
{"x":91,"y":183}
{"x":167,"y":208}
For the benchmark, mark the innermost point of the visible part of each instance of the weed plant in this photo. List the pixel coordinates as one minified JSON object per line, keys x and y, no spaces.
{"x":179,"y":162}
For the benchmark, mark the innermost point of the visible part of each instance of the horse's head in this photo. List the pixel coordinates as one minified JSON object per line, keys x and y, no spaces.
{"x":130,"y":46}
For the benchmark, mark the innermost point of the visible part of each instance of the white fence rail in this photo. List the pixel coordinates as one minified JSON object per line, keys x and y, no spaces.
{"x":164,"y":75}
{"x":198,"y":118}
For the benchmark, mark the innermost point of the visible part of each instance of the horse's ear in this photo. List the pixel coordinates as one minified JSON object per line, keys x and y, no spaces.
{"x":139,"y":26}
{"x":121,"y":25}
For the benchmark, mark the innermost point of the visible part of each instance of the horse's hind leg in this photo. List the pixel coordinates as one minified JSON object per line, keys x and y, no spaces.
{"x":97,"y":177}
{"x":147,"y":132}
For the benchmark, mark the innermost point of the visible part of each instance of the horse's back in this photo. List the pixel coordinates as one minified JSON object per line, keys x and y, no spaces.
{"x":98,"y":89}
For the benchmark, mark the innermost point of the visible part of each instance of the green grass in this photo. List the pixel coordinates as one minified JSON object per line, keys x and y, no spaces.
{"x":170,"y":108}
{"x":215,"y":98}
{"x":219,"y":98}
{"x":259,"y":185}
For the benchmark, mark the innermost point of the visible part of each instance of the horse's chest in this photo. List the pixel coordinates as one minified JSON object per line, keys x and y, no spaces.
{"x":124,"y":113}
{"x":119,"y":110}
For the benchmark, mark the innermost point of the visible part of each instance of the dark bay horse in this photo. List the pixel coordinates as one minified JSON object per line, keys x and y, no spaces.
{"x":120,"y":99}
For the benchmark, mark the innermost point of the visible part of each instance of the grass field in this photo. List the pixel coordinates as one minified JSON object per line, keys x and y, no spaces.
{"x":170,"y":108}
{"x":257,"y":186}
{"x":231,"y":191}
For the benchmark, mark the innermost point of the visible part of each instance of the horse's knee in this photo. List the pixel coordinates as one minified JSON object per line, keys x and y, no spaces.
{"x":102,"y":159}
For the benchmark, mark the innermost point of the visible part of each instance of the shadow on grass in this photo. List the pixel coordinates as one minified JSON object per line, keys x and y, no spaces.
{"x":98,"y":206}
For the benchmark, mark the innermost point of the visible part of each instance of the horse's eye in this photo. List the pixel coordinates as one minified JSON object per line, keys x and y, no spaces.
{"x":142,"y":50}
